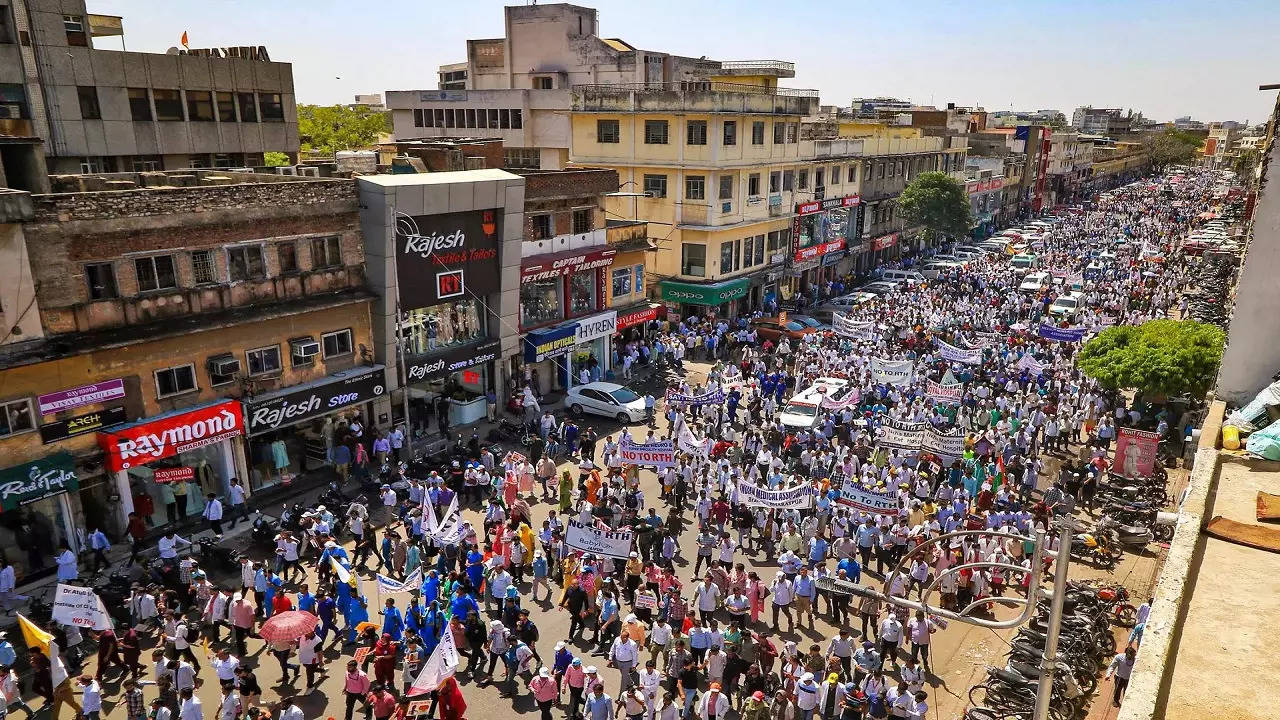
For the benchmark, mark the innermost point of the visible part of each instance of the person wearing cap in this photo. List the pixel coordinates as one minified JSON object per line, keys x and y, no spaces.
{"x":713,"y":704}
{"x":575,"y":678}
{"x":755,"y":707}
{"x":544,"y":690}
{"x":806,"y":696}
{"x":830,"y":696}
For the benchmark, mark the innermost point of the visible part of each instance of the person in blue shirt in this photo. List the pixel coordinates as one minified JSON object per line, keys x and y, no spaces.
{"x":475,"y":568}
{"x":357,"y":612}
{"x":260,"y":589}
{"x":431,"y":586}
{"x":274,"y":585}
{"x":306,"y":601}
{"x":415,"y":616}
{"x":392,"y":620}
{"x":852,"y":570}
{"x":8,"y":656}
{"x":463,"y":605}
{"x":327,"y":611}
{"x":817,"y":550}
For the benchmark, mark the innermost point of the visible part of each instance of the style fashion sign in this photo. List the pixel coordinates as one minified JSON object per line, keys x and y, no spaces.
{"x":603,"y":543}
{"x":37,"y":480}
{"x":168,"y":435}
{"x":427,"y":367}
{"x":101,"y":392}
{"x":1049,"y":332}
{"x":661,"y":454}
{"x":81,"y":424}
{"x":445,"y":256}
{"x":797,"y":496}
{"x":638,"y":317}
{"x":294,"y":405}
{"x":867,"y":500}
{"x":81,"y":607}
{"x":892,"y":372}
{"x":960,"y":355}
{"x":566,"y":264}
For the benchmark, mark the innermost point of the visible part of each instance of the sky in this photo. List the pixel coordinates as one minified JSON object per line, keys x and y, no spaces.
{"x":1167,"y":59}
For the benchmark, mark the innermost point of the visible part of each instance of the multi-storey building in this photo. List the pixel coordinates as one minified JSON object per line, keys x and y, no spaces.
{"x":1221,"y":143}
{"x":1070,"y":164}
{"x":1024,"y":153}
{"x":105,"y":110}
{"x":1102,"y":121}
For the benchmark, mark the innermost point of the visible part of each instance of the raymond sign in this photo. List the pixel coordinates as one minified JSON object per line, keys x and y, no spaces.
{"x":167,"y":436}
{"x":884,"y":241}
{"x":176,"y":474}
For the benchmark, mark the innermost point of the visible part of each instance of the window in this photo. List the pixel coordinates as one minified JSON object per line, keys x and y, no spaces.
{"x":203,"y":269}
{"x":540,"y":303}
{"x":788,"y":180}
{"x":778,"y":239}
{"x":695,"y":187}
{"x":199,"y":105}
{"x":175,"y":381}
{"x":818,"y":177}
{"x":775,"y":181}
{"x":14,"y":94}
{"x":583,"y":292}
{"x":621,"y":282}
{"x":835,"y":175}
{"x":730,"y":132}
{"x":272,"y":105}
{"x":853,"y":173}
{"x":728,"y":256}
{"x":6,"y":25}
{"x":417,"y":117}
{"x":264,"y":360}
{"x":216,"y":379}
{"x":759,"y":257}
{"x":541,"y":226}
{"x":245,"y":263}
{"x":516,"y":119}
{"x":336,"y":343}
{"x":880,"y":174}
{"x":655,"y":132}
{"x":902,"y":168}
{"x":139,"y":104}
{"x":528,"y":158}
{"x":16,"y":417}
{"x":248,"y":107}
{"x":74,"y":25}
{"x":655,"y":185}
{"x":89,"y":108}
{"x":757,"y":132}
{"x":168,"y":105}
{"x":155,"y":273}
{"x":89,"y":165}
{"x":607,"y":131}
{"x":287,"y":256}
{"x":802,"y":180}
{"x":693,"y":259}
{"x":748,"y":251}
{"x":893,"y":169}
{"x":779,"y":133}
{"x":639,"y":272}
{"x":582,"y":221}
{"x":226,"y":106}
{"x":101,"y":278}
{"x":753,"y":184}
{"x":696,"y":132}
{"x":326,"y":252}
{"x":793,"y":131}
{"x":542,"y":83}
{"x":726,"y":187}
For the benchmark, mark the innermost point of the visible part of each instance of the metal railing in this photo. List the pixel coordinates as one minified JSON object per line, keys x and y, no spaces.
{"x":782,"y":65}
{"x":696,"y":86}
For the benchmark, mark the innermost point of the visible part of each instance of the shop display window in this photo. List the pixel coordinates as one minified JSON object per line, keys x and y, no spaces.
{"x":540,"y":302}
{"x":583,"y":292}
{"x":173,"y":489}
{"x":444,"y":325}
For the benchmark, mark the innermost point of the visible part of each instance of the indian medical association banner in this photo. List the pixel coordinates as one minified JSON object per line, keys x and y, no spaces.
{"x":845,"y":326}
{"x":796,"y":496}
{"x":892,"y":372}
{"x":960,"y":355}
{"x":660,"y":454}
{"x":606,"y":543}
{"x":1049,"y":332}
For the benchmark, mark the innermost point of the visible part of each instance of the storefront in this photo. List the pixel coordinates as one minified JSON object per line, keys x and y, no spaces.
{"x":821,"y":228}
{"x":546,"y":368}
{"x":563,"y":285}
{"x":165,"y":465}
{"x":884,"y":248}
{"x":294,"y":430}
{"x":592,"y":352}
{"x":452,"y":384}
{"x":36,"y":513}
{"x":717,"y":299}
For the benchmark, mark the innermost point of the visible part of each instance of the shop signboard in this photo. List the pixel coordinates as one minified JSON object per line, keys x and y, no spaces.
{"x":101,"y":392}
{"x":821,"y":224}
{"x":714,"y":294}
{"x":315,"y":399}
{"x":639,"y":317}
{"x":448,"y":255}
{"x":426,"y":367}
{"x":553,"y":342}
{"x":81,"y":424}
{"x":817,"y":251}
{"x":36,"y":480}
{"x":566,"y":264}
{"x":884,"y":241}
{"x":174,"y":474}
{"x":597,"y":326}
{"x":167,"y":435}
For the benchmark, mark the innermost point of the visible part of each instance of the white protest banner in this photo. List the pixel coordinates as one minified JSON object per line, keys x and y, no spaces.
{"x":412,"y":583}
{"x":950,"y":394}
{"x":901,"y":435}
{"x":731,"y":374}
{"x":645,"y":601}
{"x":710,"y":397}
{"x":81,"y":607}
{"x":604,"y":543}
{"x":867,"y":500}
{"x":449,"y":530}
{"x":796,"y":496}
{"x":661,"y":453}
{"x":845,"y":326}
{"x":689,"y":443}
{"x":892,"y":372}
{"x":1030,"y":364}
{"x":945,"y":444}
{"x":986,"y":339}
{"x":442,"y":664}
{"x":960,"y":355}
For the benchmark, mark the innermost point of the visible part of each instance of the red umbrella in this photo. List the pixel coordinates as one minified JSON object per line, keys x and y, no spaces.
{"x":288,"y":625}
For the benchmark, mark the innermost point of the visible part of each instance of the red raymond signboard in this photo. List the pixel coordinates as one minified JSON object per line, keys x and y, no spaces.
{"x":178,"y":474}
{"x":167,"y":436}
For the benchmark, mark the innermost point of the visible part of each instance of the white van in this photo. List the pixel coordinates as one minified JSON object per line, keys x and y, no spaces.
{"x":801,"y":411}
{"x":910,"y":277}
{"x":1034,"y":282}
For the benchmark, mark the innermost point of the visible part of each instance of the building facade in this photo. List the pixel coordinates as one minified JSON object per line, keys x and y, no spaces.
{"x":104,"y":110}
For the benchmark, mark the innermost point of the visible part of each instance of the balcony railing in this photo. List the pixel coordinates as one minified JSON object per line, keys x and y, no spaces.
{"x":774,"y":65}
{"x":698,"y":86}
{"x":698,"y":96}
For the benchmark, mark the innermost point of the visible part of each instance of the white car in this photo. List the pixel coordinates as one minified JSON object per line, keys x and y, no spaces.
{"x":605,"y":398}
{"x":936,"y":268}
{"x":1034,"y":282}
{"x":1066,"y":306}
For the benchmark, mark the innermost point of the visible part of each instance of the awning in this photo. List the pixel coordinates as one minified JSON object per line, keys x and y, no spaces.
{"x":704,"y":294}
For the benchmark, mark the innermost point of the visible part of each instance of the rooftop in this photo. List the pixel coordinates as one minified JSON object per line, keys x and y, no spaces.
{"x":693,"y":96}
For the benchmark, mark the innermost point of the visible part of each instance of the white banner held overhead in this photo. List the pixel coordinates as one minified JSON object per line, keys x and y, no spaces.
{"x":951,"y":394}
{"x":892,"y":372}
{"x":946,"y":444}
{"x":960,"y":355}
{"x":795,"y":497}
{"x":604,"y":543}
{"x":867,"y":500}
{"x":442,"y":663}
{"x":412,"y":583}
{"x":661,"y":453}
{"x":81,"y":607}
{"x":901,"y":435}
{"x":845,"y":326}
{"x":1030,"y":364}
{"x":689,"y":443}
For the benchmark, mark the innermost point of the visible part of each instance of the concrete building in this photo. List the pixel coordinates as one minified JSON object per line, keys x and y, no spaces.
{"x":1024,"y":153}
{"x":1116,"y":163}
{"x":517,"y":87}
{"x":105,"y":110}
{"x":1102,"y":121}
{"x":1070,"y":164}
{"x":226,"y":314}
{"x":1220,"y":144}
{"x":1014,"y":118}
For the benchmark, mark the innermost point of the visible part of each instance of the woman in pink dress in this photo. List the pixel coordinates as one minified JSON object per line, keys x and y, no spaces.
{"x":756,"y":591}
{"x":510,"y":488}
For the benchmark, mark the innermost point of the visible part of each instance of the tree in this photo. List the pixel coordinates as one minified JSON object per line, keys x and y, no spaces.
{"x":328,"y":129}
{"x":1244,"y":162}
{"x":275,"y":159}
{"x":937,"y":201}
{"x":1171,"y":147}
{"x":1165,"y":357}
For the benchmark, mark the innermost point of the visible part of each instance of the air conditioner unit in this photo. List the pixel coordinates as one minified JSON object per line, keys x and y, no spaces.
{"x":286,"y":170}
{"x":304,"y":348}
{"x":224,"y":365}
{"x":10,"y":111}
{"x":308,"y":171}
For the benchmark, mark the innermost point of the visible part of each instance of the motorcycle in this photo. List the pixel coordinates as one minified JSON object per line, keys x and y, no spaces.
{"x":1122,"y":611}
{"x":1096,"y":548}
{"x":263,"y":532}
{"x":291,"y":517}
{"x":1137,"y":536}
{"x":214,"y":556}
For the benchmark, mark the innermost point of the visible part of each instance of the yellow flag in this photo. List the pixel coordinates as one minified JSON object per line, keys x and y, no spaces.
{"x":33,"y":635}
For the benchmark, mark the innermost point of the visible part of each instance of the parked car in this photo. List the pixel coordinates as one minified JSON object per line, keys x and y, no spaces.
{"x":879,"y":287}
{"x":936,"y":268}
{"x":906,"y":276}
{"x":607,"y":399}
{"x":769,"y":328}
{"x":809,"y":321}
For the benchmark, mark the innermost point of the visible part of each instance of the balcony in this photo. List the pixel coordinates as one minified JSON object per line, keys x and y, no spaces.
{"x":773,"y":68}
{"x":697,"y":96}
{"x":696,"y":213}
{"x":839,"y":147}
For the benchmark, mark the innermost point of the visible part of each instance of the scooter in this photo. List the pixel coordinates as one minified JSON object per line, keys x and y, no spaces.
{"x":263,"y":532}
{"x":1096,"y":548}
{"x":213,"y":555}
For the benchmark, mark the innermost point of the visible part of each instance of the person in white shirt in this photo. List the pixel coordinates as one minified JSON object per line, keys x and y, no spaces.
{"x":167,"y":546}
{"x":707,"y":597}
{"x":289,"y":710}
{"x":239,"y":506}
{"x":90,"y":698}
{"x":8,"y":581}
{"x":213,"y":513}
{"x":229,"y":707}
{"x":623,"y":655}
{"x":309,"y":656}
{"x":68,"y":567}
{"x":191,"y":708}
{"x":225,"y":664}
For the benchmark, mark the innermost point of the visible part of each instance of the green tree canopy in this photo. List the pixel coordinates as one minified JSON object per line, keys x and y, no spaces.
{"x":1167,"y":357}
{"x":1171,"y":147}
{"x":937,"y":201}
{"x":330,"y":128}
{"x":275,"y":159}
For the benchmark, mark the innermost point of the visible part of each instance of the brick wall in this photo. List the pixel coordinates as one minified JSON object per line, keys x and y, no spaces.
{"x":568,"y":183}
{"x":169,"y":201}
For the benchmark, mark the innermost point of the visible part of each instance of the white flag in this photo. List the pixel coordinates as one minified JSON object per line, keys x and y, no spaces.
{"x":442,"y":664}
{"x":410,"y":584}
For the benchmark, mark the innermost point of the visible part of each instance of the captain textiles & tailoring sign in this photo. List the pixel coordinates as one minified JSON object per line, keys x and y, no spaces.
{"x":168,"y":435}
{"x":37,"y":480}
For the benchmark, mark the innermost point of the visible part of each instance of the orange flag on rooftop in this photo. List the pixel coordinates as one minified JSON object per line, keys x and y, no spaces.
{"x":184,"y":40}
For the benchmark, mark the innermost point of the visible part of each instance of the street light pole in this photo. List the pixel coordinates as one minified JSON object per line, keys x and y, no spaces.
{"x":1049,"y":661}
